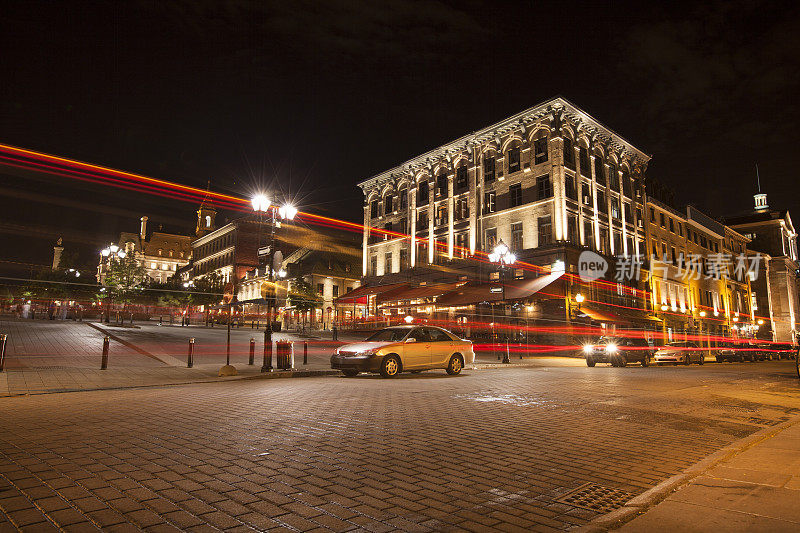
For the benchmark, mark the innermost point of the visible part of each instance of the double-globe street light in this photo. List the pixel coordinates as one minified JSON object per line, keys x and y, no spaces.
{"x":504,"y":258}
{"x":262,"y":206}
{"x":109,"y":255}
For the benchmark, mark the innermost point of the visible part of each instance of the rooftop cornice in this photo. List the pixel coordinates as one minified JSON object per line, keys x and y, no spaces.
{"x":557,"y":106}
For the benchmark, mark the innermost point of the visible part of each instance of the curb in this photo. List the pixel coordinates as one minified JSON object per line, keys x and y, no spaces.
{"x":650,"y":498}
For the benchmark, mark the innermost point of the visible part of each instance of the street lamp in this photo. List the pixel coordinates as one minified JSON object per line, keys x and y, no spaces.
{"x":108,"y":256}
{"x":504,"y":258}
{"x":262,"y":205}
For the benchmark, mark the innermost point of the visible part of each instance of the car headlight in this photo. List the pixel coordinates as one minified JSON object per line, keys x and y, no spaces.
{"x":365,"y":354}
{"x":587,"y":348}
{"x":611,"y":348}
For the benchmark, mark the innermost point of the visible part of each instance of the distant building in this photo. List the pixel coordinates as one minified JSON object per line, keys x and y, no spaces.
{"x":325,"y":259}
{"x":689,"y":293}
{"x":161,"y":254}
{"x":775,"y":291}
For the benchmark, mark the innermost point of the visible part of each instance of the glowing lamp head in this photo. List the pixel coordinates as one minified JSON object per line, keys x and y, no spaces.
{"x":579,"y":298}
{"x":281,"y":273}
{"x":121,"y":254}
{"x":287,"y":211}
{"x":736,"y":319}
{"x":77,"y":274}
{"x":760,"y":322}
{"x":408,"y":319}
{"x":702,"y":313}
{"x":260,"y":203}
{"x":105,"y":252}
{"x":664,"y":307}
{"x":501,"y":248}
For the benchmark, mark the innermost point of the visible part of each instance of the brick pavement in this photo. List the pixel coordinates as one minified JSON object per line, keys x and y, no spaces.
{"x":482,"y":451}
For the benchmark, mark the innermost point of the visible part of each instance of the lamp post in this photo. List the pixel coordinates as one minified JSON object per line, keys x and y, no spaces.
{"x":504,"y":258}
{"x":108,"y":257}
{"x":262,"y":206}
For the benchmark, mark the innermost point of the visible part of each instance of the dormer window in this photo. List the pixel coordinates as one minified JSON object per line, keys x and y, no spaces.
{"x":160,"y":252}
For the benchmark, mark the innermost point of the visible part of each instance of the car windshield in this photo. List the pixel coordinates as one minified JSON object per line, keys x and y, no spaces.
{"x":677,"y":344}
{"x":608,"y":340}
{"x":388,"y":335}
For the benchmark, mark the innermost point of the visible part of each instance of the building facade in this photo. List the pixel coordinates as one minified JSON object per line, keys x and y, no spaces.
{"x":775,"y":290}
{"x":161,"y":254}
{"x":549,"y":174}
{"x":549,"y":182}
{"x":694,"y":283}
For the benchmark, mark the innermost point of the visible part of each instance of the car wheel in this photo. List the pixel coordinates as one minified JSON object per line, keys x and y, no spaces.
{"x":687,"y":360}
{"x":702,"y":360}
{"x":350,"y":373}
{"x":455,"y":365}
{"x":621,"y":361}
{"x":590,"y":361}
{"x":390,"y":366}
{"x":645,"y":362}
{"x":740,"y":358}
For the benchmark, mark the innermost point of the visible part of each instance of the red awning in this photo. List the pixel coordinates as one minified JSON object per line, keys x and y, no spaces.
{"x":403,"y":294}
{"x":359,"y":295}
{"x":493,"y":292}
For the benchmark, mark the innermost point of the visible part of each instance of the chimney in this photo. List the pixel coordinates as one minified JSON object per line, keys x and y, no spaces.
{"x":143,"y":231}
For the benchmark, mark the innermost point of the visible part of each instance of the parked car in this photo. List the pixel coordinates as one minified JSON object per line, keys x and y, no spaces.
{"x":686,"y":352}
{"x":751,"y":351}
{"x":785,"y":350}
{"x":397,"y":349}
{"x":619,"y":351}
{"x":727,"y":351}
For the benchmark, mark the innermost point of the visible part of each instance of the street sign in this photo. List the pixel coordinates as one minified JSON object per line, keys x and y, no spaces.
{"x":264,"y":250}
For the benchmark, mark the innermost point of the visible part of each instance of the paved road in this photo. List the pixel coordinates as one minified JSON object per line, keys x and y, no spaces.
{"x":488,"y":450}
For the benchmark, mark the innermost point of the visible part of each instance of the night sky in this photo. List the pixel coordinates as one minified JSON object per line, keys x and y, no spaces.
{"x":308,"y":98}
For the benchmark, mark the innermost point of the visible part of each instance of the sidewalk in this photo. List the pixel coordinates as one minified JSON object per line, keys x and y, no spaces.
{"x":753,"y":485}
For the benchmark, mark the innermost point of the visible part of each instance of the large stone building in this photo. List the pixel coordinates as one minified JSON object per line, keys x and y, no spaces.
{"x":775,"y":288}
{"x":549,"y":182}
{"x":161,"y":254}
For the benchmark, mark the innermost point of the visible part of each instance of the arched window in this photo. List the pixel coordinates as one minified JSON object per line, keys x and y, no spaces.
{"x":160,"y":252}
{"x":171,"y":253}
{"x":540,"y":147}
{"x":208,"y":221}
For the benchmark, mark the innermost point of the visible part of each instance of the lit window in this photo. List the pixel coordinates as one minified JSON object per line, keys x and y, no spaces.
{"x":153,"y":266}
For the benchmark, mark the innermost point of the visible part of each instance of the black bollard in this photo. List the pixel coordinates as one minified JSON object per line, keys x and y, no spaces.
{"x":506,"y":359}
{"x":3,"y":339}
{"x":267,"y":366}
{"x":252,"y":359}
{"x":305,"y":352}
{"x":104,"y":360}
{"x":190,"y":356}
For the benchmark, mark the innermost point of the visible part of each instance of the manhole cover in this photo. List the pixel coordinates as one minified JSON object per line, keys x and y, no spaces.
{"x":596,"y":498}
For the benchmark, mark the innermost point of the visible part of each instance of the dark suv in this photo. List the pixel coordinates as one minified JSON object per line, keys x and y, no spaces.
{"x":619,"y":351}
{"x":726,"y":351}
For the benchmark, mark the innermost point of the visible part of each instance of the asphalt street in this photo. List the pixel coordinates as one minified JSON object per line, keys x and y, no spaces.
{"x":488,"y":450}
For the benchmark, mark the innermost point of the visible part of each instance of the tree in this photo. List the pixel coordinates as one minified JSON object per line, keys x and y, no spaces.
{"x":124,"y":279}
{"x":207,"y":290}
{"x":303,"y":297}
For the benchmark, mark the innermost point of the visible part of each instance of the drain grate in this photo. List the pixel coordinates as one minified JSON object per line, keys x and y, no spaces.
{"x":596,"y":498}
{"x":763,"y":421}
